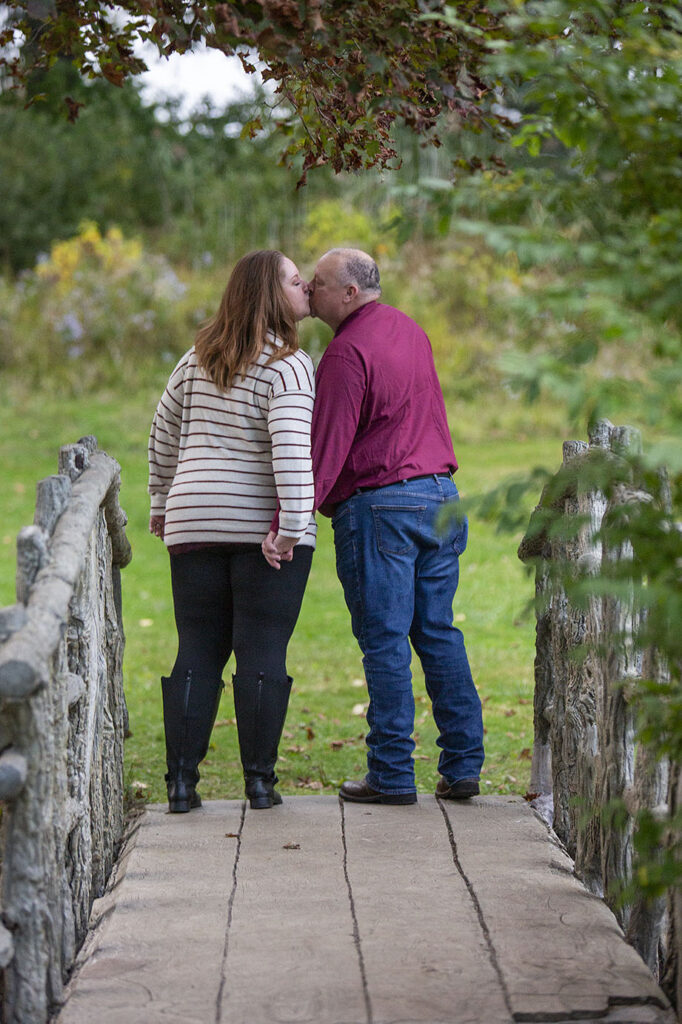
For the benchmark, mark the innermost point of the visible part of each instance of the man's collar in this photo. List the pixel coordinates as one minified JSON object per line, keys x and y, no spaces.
{"x":355,"y":313}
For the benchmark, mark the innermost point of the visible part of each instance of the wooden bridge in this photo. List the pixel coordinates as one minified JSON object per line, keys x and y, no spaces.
{"x":315,"y":912}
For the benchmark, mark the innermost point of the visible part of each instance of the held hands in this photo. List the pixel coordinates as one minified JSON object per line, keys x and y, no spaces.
{"x":277,"y":549}
{"x":157,"y":525}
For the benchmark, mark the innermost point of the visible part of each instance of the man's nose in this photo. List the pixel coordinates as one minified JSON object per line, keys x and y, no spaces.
{"x":309,"y":288}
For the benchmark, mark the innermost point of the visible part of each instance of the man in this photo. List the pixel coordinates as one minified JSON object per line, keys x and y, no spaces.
{"x":383,"y":464}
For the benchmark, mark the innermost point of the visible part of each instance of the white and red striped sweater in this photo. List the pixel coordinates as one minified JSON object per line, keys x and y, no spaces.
{"x":220,"y":460}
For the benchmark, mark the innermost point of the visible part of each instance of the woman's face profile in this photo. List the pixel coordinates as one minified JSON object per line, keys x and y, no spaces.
{"x":295,"y":289}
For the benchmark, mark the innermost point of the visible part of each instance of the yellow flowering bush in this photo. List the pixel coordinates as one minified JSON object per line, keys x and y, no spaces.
{"x":333,"y":222}
{"x":111,"y":253}
{"x":98,"y":303}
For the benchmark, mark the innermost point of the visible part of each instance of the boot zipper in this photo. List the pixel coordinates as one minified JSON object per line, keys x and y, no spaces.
{"x":185,"y":722}
{"x":259,"y":693}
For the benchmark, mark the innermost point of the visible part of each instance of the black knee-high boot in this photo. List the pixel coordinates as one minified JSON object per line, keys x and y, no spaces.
{"x":190,"y":706}
{"x":260,"y":706}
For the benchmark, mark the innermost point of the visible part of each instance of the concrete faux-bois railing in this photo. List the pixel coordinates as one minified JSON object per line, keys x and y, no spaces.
{"x":62,"y":724}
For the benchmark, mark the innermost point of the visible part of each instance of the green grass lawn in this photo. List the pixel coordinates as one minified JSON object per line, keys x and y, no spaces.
{"x":323,"y":741}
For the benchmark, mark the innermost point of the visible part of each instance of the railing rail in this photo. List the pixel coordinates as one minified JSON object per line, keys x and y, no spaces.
{"x":62,"y":724}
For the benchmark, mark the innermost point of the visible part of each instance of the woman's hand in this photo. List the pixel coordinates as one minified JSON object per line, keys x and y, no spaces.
{"x":157,"y":525}
{"x":277,"y":549}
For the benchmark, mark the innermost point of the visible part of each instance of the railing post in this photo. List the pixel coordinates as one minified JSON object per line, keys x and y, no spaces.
{"x":585,"y":755}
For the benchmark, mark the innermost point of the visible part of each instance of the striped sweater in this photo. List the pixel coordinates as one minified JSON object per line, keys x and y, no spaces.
{"x":219,"y":461}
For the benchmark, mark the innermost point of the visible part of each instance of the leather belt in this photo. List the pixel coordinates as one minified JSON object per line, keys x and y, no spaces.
{"x":407,"y":479}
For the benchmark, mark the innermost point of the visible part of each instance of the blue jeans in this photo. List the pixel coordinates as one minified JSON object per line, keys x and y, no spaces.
{"x":399,"y":574}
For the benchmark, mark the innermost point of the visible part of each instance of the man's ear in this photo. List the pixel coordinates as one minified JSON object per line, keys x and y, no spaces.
{"x":351,"y":291}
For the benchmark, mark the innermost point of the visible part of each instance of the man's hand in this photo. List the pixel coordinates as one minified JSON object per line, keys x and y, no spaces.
{"x":157,"y":525}
{"x":277,"y":549}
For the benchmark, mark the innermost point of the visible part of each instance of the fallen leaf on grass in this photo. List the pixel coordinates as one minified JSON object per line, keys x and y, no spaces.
{"x":224,"y":721}
{"x":306,"y":783}
{"x":509,"y":713}
{"x":295,"y":750}
{"x":525,"y":754}
{"x":358,"y":682}
{"x":530,"y":796}
{"x":358,"y":709}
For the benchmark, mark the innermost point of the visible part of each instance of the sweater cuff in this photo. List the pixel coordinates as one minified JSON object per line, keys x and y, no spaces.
{"x":157,"y":504}
{"x":291,"y":525}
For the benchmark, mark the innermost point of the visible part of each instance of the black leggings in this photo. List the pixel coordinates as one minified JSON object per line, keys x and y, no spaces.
{"x":228,"y":600}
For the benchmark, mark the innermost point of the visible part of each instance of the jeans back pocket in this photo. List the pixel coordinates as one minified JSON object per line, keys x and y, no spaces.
{"x":397,"y":527}
{"x":460,"y":539}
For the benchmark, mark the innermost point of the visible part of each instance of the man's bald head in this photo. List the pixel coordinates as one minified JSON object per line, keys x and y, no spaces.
{"x":353,"y":266}
{"x":345,"y":280}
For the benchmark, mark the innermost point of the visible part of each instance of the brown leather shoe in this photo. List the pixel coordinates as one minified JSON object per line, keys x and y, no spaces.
{"x":360,"y":792}
{"x":463,"y":789}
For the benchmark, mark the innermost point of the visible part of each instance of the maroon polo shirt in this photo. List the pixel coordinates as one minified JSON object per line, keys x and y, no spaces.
{"x":379,"y":413}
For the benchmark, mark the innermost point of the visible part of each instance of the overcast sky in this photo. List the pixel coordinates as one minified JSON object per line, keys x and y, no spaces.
{"x":193,"y":76}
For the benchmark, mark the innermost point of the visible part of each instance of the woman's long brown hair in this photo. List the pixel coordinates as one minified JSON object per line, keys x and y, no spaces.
{"x":252,"y":305}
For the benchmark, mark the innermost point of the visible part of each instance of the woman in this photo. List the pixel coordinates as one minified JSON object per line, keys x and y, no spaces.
{"x":229,"y":442}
